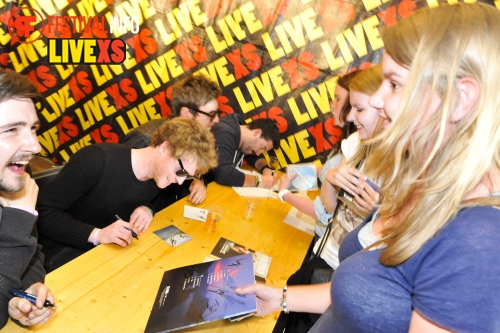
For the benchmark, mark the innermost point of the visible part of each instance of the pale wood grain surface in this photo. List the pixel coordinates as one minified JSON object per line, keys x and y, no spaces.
{"x":112,"y":289}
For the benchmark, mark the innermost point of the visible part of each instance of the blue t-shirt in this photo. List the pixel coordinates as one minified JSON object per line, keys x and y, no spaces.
{"x":452,"y":281}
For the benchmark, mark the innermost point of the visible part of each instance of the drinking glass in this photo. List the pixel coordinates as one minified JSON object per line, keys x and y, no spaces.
{"x":213,"y":216}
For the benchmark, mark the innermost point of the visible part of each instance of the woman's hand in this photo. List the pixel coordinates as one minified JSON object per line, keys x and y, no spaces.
{"x":345,"y":176}
{"x":367,"y":197}
{"x":268,"y":298}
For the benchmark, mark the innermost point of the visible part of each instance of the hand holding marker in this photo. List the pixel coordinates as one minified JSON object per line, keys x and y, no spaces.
{"x":32,"y":298}
{"x":133,"y":233}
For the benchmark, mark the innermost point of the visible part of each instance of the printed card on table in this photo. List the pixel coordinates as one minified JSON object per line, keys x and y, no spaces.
{"x":195,"y":213}
{"x":226,"y":248}
{"x":173,"y":235}
{"x":300,"y":220}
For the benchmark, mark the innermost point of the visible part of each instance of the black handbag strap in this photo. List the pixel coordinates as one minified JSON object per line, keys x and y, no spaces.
{"x":330,"y":221}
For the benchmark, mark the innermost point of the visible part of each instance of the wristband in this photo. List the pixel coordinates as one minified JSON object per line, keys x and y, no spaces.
{"x":204,"y":182}
{"x":268,"y":167}
{"x":152,"y":213}
{"x":94,"y":237}
{"x":257,"y":181}
{"x":282,"y":193}
{"x":283,"y":300}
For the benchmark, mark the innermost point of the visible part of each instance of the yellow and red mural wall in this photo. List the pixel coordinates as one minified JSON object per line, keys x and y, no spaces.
{"x":272,"y":58}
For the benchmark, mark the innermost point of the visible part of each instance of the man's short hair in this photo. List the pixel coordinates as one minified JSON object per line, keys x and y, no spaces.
{"x":270,"y":131}
{"x":15,"y":85}
{"x":193,"y":92}
{"x":186,"y":137}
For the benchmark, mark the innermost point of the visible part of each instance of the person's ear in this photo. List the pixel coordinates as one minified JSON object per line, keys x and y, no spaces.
{"x":184,"y":112}
{"x":468,"y":95}
{"x":257,"y":132}
{"x":164,"y":148}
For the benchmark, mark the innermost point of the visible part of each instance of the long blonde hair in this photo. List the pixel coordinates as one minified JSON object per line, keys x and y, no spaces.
{"x":425,"y":174}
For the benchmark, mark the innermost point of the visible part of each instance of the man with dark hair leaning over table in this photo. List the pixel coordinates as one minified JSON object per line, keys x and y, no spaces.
{"x":194,"y":97}
{"x":21,"y":259}
{"x":104,"y":193}
{"x":236,"y":141}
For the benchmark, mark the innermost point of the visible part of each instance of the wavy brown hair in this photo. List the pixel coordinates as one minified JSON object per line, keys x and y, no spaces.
{"x":187,"y":138}
{"x":15,"y":85}
{"x":344,"y":82}
{"x":192,"y":92}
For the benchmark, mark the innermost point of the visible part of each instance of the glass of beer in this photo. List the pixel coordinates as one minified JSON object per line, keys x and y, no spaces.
{"x":213,"y":216}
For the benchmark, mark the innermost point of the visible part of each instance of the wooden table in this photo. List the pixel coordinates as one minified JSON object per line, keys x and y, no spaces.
{"x":112,"y":289}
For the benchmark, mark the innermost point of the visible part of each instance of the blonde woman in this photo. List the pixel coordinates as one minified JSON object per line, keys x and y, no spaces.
{"x":349,"y":175}
{"x":340,"y":108}
{"x":319,"y":269}
{"x":435,"y":263}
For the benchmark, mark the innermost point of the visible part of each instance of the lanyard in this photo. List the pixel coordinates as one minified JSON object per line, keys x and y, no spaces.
{"x":240,"y":161}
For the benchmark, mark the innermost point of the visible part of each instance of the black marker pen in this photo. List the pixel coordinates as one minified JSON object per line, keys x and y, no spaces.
{"x":29,"y":297}
{"x":133,"y":233}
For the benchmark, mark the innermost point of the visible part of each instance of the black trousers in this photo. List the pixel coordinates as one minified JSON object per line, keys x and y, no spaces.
{"x":313,"y":271}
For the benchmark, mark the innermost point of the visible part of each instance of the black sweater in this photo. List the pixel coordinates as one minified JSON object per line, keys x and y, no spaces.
{"x":97,"y":183}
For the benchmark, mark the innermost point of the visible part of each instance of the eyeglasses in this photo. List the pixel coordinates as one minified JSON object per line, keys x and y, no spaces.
{"x":183,"y":172}
{"x":211,"y":115}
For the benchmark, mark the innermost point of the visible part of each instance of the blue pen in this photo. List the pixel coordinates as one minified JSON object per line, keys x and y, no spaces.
{"x":133,"y":233}
{"x":29,"y":297}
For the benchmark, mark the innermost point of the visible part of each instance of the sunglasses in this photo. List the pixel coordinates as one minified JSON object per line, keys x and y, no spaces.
{"x":183,"y":172}
{"x":211,"y":115}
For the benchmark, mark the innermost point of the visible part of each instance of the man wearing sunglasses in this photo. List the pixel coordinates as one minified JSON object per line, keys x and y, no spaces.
{"x":236,"y":140}
{"x":194,"y":97}
{"x":105,"y":191}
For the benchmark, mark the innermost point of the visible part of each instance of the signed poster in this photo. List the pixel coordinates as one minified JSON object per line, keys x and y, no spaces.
{"x":196,"y":294}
